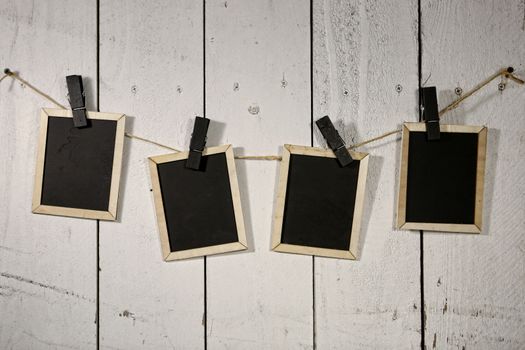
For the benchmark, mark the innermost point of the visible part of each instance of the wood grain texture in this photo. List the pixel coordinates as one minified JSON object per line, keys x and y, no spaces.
{"x":475,"y":285}
{"x":149,"y":52}
{"x":47,"y":264}
{"x":257,"y":59}
{"x":362,"y":50}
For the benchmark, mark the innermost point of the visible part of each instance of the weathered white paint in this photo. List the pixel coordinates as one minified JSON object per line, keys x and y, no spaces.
{"x":363,"y":49}
{"x":258,"y":299}
{"x":47,"y":263}
{"x":149,"y":51}
{"x":475,"y":284}
{"x":258,"y":96}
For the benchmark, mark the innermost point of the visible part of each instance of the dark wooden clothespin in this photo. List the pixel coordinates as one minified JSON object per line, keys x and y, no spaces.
{"x":77,"y":100}
{"x":335,"y":142}
{"x":429,"y":106}
{"x":197,"y":143}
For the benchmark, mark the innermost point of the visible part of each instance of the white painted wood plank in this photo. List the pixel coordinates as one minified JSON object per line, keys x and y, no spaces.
{"x":363,"y":49}
{"x":475,"y":284}
{"x":151,"y":70}
{"x":258,"y":299}
{"x":47,"y":263}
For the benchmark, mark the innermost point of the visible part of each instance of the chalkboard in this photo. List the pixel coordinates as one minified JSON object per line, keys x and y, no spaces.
{"x":78,"y":169}
{"x":319,"y":203}
{"x":441,"y":182}
{"x":198,"y":211}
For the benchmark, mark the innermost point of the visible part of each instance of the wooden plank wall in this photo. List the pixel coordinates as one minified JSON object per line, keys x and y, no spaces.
{"x":249,"y":66}
{"x":47,"y":264}
{"x":146,"y":302}
{"x":362,"y":51}
{"x":475,"y":284}
{"x":258,"y":299}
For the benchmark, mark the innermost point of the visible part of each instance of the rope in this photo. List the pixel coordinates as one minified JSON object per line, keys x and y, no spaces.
{"x":127,"y":134}
{"x":37,"y":91}
{"x":505,"y":72}
{"x":279,"y":158}
{"x":357,"y":145}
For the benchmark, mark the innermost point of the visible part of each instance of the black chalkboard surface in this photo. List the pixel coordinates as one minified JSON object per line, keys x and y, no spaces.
{"x":78,"y":169}
{"x":441,"y":183}
{"x":198,"y":211}
{"x":319,"y":203}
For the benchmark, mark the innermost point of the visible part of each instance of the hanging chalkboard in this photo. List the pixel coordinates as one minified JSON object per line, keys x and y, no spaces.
{"x":198,"y":211}
{"x":78,"y":169}
{"x":319,"y":203}
{"x":441,"y":182}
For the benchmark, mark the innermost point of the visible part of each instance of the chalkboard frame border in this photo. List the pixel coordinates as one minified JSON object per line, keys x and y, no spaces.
{"x":169,"y":255}
{"x":110,"y":214}
{"x":402,"y":224}
{"x":276,"y":242}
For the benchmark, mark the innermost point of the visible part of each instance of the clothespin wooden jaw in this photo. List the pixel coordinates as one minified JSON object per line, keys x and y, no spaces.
{"x":334,"y":140}
{"x":429,"y":106}
{"x":197,"y":143}
{"x":77,"y":100}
